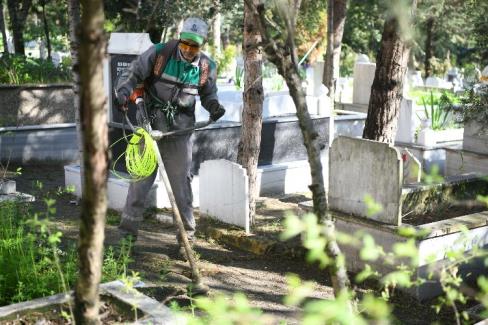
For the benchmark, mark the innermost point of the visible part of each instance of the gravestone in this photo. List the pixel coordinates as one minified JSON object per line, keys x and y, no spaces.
{"x":408,"y":122}
{"x":224,"y":192}
{"x":122,"y":49}
{"x":364,"y":72}
{"x":360,"y":167}
{"x":412,"y":168}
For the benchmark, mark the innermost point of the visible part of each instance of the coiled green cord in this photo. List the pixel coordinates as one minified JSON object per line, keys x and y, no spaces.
{"x":140,"y":155}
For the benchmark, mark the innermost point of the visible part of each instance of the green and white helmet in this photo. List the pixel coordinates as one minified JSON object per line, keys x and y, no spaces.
{"x":194,"y":29}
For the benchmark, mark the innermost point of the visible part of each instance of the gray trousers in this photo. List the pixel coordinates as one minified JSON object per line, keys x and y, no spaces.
{"x":176,"y":152}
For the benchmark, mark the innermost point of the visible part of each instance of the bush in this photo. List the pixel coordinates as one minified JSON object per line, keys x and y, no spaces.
{"x":17,"y":70}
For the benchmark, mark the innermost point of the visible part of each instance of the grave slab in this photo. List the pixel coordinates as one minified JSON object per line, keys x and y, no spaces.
{"x":442,"y":236}
{"x":153,"y":311}
{"x":360,"y":167}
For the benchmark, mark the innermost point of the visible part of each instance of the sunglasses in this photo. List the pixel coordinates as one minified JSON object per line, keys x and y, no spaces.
{"x":189,"y":47}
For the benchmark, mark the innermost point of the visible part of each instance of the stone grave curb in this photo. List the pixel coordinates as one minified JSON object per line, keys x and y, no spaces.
{"x":155,"y":312}
{"x":252,"y":243}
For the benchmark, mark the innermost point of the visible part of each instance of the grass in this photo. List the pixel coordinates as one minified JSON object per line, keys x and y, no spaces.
{"x":34,"y":263}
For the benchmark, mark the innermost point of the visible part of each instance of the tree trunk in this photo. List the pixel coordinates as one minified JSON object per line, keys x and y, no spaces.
{"x":18,"y":11}
{"x":336,"y":15}
{"x":74,"y":25}
{"x":2,"y":28}
{"x":46,"y":31}
{"x":279,"y":57}
{"x":387,"y":88}
{"x":429,"y":31}
{"x":252,"y":113}
{"x":95,"y":159}
{"x":217,"y":21}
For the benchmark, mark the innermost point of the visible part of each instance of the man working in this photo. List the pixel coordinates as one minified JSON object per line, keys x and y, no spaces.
{"x":173,"y":74}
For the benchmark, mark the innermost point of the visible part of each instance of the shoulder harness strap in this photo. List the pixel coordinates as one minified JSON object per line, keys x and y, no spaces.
{"x":163,"y":52}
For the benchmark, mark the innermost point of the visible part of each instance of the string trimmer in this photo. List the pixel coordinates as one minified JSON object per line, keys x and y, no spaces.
{"x":156,"y":135}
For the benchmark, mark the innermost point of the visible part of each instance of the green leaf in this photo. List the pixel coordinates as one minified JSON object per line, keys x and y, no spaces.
{"x":370,"y":251}
{"x":376,"y":307}
{"x":400,"y":278}
{"x":372,"y":207}
{"x":297,"y":291}
{"x":293,"y":227}
{"x":407,"y":249}
{"x":366,"y":273}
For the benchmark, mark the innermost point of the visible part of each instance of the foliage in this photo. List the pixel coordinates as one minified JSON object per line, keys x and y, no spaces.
{"x":363,"y":28}
{"x":311,"y":27}
{"x":225,"y":59}
{"x":18,"y":70}
{"x":474,"y":105}
{"x":34,"y":261}
{"x":348,"y":59}
{"x":239,"y":77}
{"x":437,"y":109}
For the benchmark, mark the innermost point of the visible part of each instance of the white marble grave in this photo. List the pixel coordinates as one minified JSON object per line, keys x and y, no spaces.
{"x":360,"y":167}
{"x":363,"y":80}
{"x":224,"y":192}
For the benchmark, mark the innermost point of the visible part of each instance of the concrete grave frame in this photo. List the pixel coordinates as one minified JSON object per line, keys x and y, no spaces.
{"x":152,"y":311}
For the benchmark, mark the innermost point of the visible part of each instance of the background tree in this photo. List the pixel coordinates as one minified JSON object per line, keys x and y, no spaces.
{"x":3,"y":30}
{"x":279,"y":52}
{"x":18,"y":11}
{"x":336,"y":19}
{"x":95,"y":159}
{"x":391,"y":65}
{"x":46,"y":28}
{"x":362,"y":32}
{"x":252,"y":113}
{"x":74,"y":25}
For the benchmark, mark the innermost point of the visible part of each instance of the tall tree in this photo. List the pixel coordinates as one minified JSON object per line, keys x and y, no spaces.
{"x":336,"y":19}
{"x":95,"y":159}
{"x":216,"y":25}
{"x":278,"y":51}
{"x":2,"y":28}
{"x":74,"y":41}
{"x":18,"y":11}
{"x":391,"y":65}
{"x":252,"y":113}
{"x":46,"y":29}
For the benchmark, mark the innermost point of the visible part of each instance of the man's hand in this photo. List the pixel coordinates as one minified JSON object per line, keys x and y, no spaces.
{"x":121,"y":101}
{"x":216,"y":111}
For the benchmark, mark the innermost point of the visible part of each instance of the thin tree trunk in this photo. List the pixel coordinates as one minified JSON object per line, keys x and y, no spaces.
{"x":429,"y":31}
{"x":95,"y":132}
{"x":46,"y":31}
{"x":336,"y":15}
{"x":2,"y":28}
{"x":18,"y":11}
{"x":74,"y":24}
{"x":217,"y":21}
{"x":252,"y":113}
{"x":386,"y":91}
{"x":279,"y":57}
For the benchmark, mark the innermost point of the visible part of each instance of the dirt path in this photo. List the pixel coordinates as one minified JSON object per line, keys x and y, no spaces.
{"x":226,"y":270}
{"x":155,"y":254}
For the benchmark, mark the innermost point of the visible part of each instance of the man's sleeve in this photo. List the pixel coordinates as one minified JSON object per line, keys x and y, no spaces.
{"x":139,"y":70}
{"x":208,"y":91}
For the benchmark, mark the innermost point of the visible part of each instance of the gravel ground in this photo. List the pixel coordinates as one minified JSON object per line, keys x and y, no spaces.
{"x":226,"y":270}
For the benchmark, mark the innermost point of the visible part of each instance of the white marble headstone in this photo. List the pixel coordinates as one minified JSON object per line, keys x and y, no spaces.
{"x":224,"y":192}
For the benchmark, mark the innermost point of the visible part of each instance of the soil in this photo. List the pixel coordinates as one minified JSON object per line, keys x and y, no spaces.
{"x":224,"y":269}
{"x":109,"y":313}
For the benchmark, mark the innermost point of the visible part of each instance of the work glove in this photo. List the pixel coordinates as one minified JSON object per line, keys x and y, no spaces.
{"x":121,"y":100}
{"x":216,"y":111}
